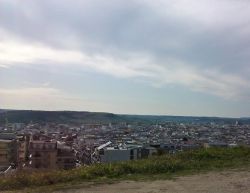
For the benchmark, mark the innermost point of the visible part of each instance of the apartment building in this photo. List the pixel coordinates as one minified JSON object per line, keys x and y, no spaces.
{"x":8,"y":153}
{"x":43,"y":154}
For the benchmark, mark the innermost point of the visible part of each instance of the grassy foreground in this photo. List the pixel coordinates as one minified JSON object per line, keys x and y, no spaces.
{"x":167,"y":165}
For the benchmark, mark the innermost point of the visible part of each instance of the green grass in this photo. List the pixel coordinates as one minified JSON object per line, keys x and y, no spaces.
{"x":165,"y":166}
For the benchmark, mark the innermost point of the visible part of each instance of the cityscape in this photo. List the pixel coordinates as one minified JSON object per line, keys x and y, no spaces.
{"x":51,"y":145}
{"x":132,"y":96}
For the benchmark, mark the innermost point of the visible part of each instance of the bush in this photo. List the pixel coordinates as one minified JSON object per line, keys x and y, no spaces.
{"x":194,"y":160}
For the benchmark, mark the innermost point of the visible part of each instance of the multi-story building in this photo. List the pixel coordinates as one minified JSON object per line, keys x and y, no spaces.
{"x":105,"y":154}
{"x":51,"y":155}
{"x":66,"y":159}
{"x":8,"y":153}
{"x":22,"y":149}
{"x":66,"y":156}
{"x":43,"y":154}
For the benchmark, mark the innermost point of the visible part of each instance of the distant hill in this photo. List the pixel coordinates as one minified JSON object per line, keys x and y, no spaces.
{"x":26,"y":116}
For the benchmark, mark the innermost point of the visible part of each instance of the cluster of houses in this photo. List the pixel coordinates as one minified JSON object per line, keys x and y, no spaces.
{"x":61,"y":146}
{"x":43,"y":152}
{"x":27,"y":151}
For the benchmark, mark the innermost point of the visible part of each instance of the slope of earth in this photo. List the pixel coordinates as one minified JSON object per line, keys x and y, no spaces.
{"x":212,"y":182}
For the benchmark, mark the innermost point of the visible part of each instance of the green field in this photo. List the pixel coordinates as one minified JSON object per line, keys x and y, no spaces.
{"x":165,"y":166}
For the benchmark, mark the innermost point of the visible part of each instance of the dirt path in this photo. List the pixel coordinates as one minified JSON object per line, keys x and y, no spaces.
{"x":213,"y":182}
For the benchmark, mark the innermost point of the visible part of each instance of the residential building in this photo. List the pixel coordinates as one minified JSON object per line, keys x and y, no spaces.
{"x":43,"y":154}
{"x":8,"y":153}
{"x":66,"y":158}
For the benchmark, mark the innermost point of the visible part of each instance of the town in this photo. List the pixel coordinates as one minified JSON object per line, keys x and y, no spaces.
{"x":36,"y":146}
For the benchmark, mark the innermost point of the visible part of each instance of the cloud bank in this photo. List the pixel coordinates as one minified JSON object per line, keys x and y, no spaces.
{"x":200,"y":45}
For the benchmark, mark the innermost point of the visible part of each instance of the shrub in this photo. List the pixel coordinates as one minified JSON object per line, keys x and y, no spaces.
{"x":193,"y":160}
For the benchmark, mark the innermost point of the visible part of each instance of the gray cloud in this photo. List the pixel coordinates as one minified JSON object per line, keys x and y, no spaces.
{"x":202,"y":45}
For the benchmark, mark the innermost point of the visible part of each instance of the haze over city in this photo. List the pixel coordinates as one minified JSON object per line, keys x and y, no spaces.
{"x":175,"y":57}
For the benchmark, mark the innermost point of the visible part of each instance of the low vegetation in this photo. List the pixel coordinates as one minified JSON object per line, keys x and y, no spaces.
{"x":167,"y":165}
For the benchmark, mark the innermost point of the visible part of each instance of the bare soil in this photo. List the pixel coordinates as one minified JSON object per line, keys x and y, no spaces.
{"x":212,"y":182}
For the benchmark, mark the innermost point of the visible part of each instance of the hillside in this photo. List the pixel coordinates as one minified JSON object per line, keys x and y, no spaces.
{"x":77,"y":117}
{"x":26,"y":116}
{"x":230,"y":181}
{"x":158,"y":167}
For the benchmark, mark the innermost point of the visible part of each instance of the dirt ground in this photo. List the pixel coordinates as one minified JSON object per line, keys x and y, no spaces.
{"x":213,"y":182}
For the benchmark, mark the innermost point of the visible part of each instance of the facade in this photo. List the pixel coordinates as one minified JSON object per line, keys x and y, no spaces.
{"x":21,"y":152}
{"x":147,"y":152}
{"x":43,"y":154}
{"x":51,"y":155}
{"x":66,"y":159}
{"x":8,"y":153}
{"x":111,"y":154}
{"x":22,"y":149}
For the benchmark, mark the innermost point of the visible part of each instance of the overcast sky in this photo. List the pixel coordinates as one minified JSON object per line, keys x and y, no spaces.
{"x":173,"y":57}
